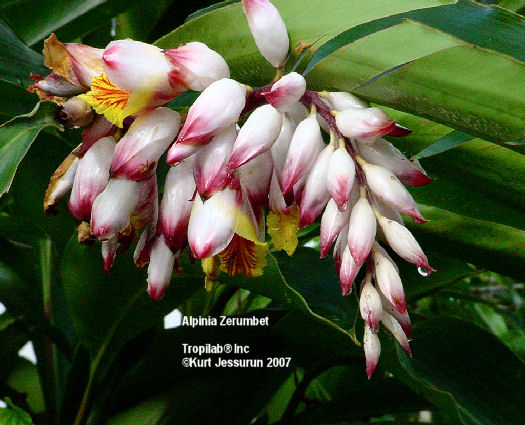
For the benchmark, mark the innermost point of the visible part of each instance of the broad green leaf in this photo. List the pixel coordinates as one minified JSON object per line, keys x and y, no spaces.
{"x":13,"y":415}
{"x":471,"y":89}
{"x":472,"y":202}
{"x":361,"y":399}
{"x":449,"y":270}
{"x":305,"y":283}
{"x":32,"y":179}
{"x":488,"y":27}
{"x":483,"y":376}
{"x":489,"y":245}
{"x":25,"y":101}
{"x":514,"y":5}
{"x":314,"y":19}
{"x":17,"y":61}
{"x":16,"y":137}
{"x":137,"y":22}
{"x":494,"y":171}
{"x":69,"y":19}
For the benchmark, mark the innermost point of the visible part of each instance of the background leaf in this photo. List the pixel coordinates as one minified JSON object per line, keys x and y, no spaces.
{"x":16,"y":137}
{"x":483,"y":376}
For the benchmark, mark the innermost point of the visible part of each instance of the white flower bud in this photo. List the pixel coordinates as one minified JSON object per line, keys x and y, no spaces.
{"x":195,"y":66}
{"x":268,"y":30}
{"x":315,"y":194}
{"x":160,"y":268}
{"x":363,"y":123}
{"x":385,"y":185}
{"x":302,"y":152}
{"x":286,"y":92}
{"x":340,"y":101}
{"x":209,"y":168}
{"x":361,"y":231}
{"x":389,"y":282}
{"x":372,"y":347}
{"x":403,"y":243}
{"x":256,"y":136}
{"x":138,"y":152}
{"x":340,"y":176}
{"x":388,"y":156}
{"x":395,"y":329}
{"x":370,"y":304}
{"x":217,"y":108}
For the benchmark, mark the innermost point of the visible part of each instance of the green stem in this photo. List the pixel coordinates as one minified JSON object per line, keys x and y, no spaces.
{"x":96,"y":375}
{"x":49,"y":350}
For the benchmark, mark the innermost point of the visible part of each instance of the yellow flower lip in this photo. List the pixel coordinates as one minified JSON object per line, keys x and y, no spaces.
{"x":107,"y":99}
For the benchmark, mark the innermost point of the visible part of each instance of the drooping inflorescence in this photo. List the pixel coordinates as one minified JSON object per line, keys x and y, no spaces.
{"x":223,"y":179}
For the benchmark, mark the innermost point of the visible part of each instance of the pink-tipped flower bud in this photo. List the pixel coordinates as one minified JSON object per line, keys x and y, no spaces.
{"x":370,"y":305}
{"x":361,"y":231}
{"x":280,"y":147}
{"x":176,"y":205}
{"x":209,"y":169}
{"x":403,"y":319}
{"x":403,"y":243}
{"x":113,"y":207}
{"x":138,"y":152}
{"x":302,"y":152}
{"x":315,"y":194}
{"x":286,"y":92}
{"x":255,"y":177}
{"x":160,"y":268}
{"x":389,"y":282}
{"x":341,"y":101}
{"x":98,"y":129}
{"x":212,"y":223}
{"x":256,"y":136}
{"x":339,"y":247}
{"x":385,"y":185}
{"x":332,"y":221}
{"x":385,"y":254}
{"x":268,"y":30}
{"x":395,"y":329}
{"x":91,"y":178}
{"x":109,"y":251}
{"x":132,"y":64}
{"x":372,"y":347}
{"x":340,"y":177}
{"x":348,"y":271}
{"x":388,"y":212}
{"x":195,"y":66}
{"x":217,"y":108}
{"x":363,"y":123}
{"x":86,"y":62}
{"x":179,"y":151}
{"x":388,"y":156}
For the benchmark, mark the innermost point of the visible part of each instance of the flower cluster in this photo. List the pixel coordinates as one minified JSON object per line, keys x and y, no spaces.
{"x":223,"y":179}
